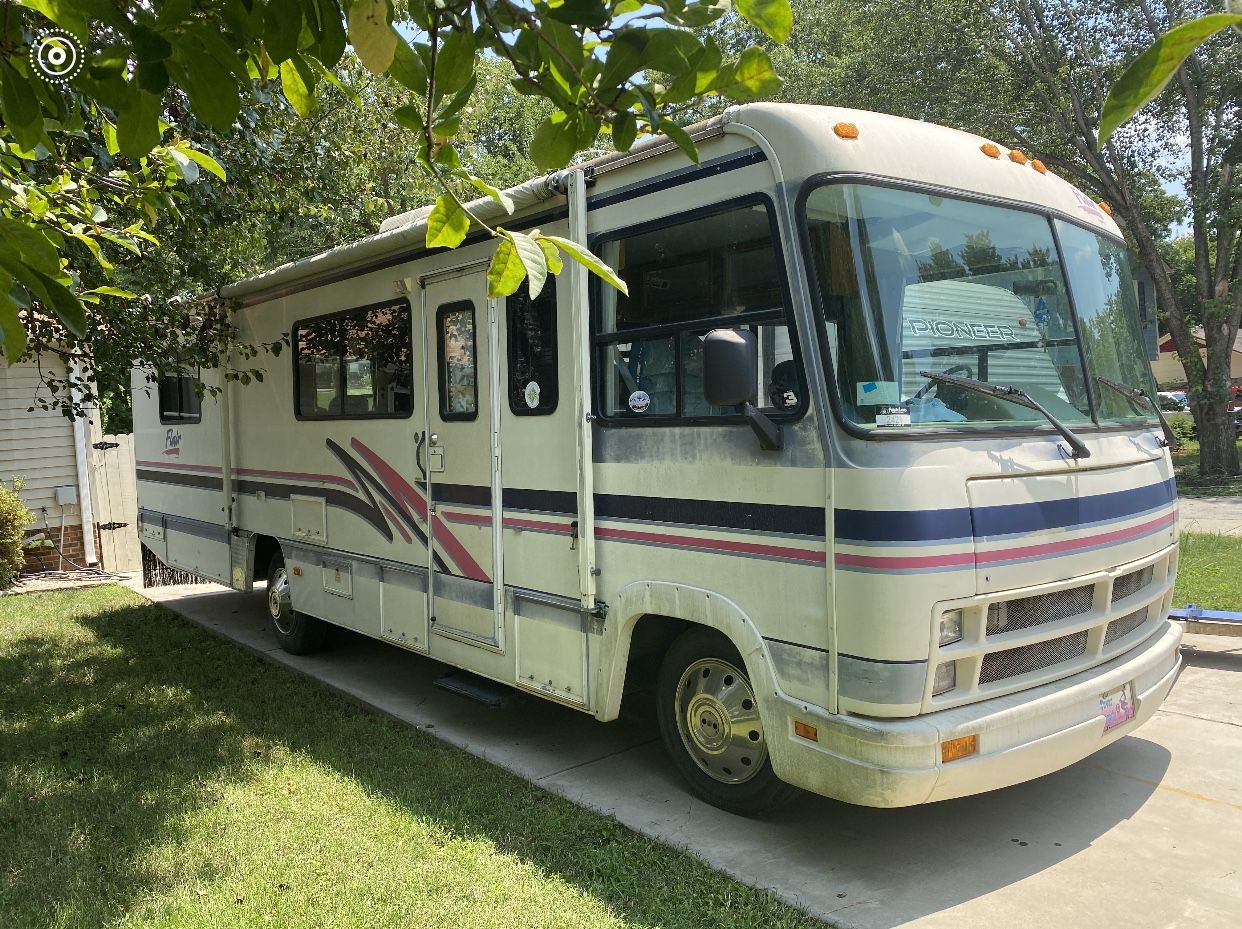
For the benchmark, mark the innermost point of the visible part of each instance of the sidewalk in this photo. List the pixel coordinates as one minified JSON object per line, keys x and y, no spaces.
{"x":1215,"y":515}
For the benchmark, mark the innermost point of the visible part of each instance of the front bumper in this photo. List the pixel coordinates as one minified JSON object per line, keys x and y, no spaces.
{"x":889,"y":763}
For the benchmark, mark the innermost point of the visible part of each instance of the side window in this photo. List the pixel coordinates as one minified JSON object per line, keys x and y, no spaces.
{"x":532,"y":350}
{"x":717,"y":269}
{"x":459,"y":371}
{"x":353,"y":365}
{"x":179,"y":400}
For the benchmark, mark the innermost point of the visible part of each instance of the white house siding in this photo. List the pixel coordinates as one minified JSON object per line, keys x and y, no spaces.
{"x":37,"y":446}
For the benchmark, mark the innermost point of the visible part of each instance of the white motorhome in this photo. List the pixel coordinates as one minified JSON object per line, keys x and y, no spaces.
{"x":902,"y":528}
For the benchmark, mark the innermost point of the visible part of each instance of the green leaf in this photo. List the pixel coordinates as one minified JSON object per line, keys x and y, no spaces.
{"x":110,"y":291}
{"x":682,"y":138}
{"x":211,"y":88}
{"x":624,"y":131}
{"x":454,"y":62}
{"x":588,"y":260}
{"x":138,"y":124}
{"x":203,"y":160}
{"x":774,"y":18}
{"x":185,"y":167}
{"x":625,"y":57}
{"x":410,"y":116}
{"x":750,"y":78}
{"x":1151,"y":71}
{"x":20,"y":106}
{"x":95,"y":250}
{"x":333,"y":40}
{"x":12,"y":332}
{"x":51,"y":294}
{"x":495,"y":193}
{"x":298,"y":83}
{"x":532,"y":259}
{"x":149,"y":45}
{"x":373,"y":38}
{"x":408,"y":69}
{"x":35,"y":248}
{"x":282,"y":24}
{"x":554,"y":142}
{"x":447,"y":225}
{"x":551,"y":254}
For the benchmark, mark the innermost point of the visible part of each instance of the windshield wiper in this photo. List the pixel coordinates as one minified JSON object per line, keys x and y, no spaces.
{"x":1019,"y":397}
{"x":1136,"y":394}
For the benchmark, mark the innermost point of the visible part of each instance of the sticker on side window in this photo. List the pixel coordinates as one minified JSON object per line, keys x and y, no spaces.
{"x":873,"y":393}
{"x":639,"y":401}
{"x":532,"y":394}
{"x":892,"y":416}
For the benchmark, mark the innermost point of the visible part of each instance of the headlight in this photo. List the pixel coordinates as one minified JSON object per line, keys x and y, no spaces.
{"x":946,"y":678}
{"x":950,"y":627}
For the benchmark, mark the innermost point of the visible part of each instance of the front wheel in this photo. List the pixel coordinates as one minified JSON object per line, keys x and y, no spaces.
{"x":297,"y":633}
{"x":710,"y":723}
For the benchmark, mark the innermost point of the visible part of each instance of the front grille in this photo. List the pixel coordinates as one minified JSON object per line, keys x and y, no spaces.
{"x":1011,"y":662}
{"x":1132,"y":583}
{"x":1025,"y":612}
{"x":1120,"y":628}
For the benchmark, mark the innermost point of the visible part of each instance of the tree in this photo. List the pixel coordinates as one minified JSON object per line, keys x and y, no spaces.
{"x":1034,"y":74}
{"x":92,"y":113}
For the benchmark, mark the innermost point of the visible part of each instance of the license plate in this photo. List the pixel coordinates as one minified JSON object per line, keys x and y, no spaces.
{"x":1117,"y":706}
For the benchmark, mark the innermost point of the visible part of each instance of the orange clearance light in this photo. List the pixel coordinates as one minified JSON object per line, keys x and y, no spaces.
{"x":1106,"y":208}
{"x":806,"y":731}
{"x":990,"y":150}
{"x":954,"y":749}
{"x":1017,"y":157}
{"x":297,"y":572}
{"x":1039,"y":166}
{"x":846,"y":130}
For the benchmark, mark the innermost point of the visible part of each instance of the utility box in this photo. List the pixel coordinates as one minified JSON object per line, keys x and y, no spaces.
{"x":66,"y":495}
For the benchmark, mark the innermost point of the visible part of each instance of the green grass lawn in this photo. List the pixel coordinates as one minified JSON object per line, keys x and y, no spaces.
{"x":154,"y":775}
{"x":1209,"y":573}
{"x":1189,"y":484}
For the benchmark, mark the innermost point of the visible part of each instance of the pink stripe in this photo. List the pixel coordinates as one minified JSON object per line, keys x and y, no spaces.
{"x":396,"y":522}
{"x":563,"y":528}
{"x":956,"y":560}
{"x":172,"y":451}
{"x":1053,"y":548}
{"x":736,"y":548}
{"x":474,"y":519}
{"x":300,"y":476}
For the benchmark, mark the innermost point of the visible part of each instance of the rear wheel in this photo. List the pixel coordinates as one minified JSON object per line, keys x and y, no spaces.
{"x":297,"y":633}
{"x":710,"y":723}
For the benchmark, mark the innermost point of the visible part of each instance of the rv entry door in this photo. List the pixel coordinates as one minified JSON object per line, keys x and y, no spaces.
{"x":460,"y":455}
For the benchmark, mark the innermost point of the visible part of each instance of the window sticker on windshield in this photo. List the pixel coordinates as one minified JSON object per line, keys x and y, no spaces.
{"x":892,"y":416}
{"x":875,"y":393}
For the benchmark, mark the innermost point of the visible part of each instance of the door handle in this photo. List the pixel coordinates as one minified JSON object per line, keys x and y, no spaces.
{"x":418,"y":454}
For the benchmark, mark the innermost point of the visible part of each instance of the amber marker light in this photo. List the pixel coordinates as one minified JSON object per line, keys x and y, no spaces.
{"x":955,"y":749}
{"x":846,"y":130}
{"x":297,"y":572}
{"x":1017,"y":157}
{"x":990,"y":150}
{"x":806,"y":731}
{"x":1106,"y":208}
{"x":1039,"y":166}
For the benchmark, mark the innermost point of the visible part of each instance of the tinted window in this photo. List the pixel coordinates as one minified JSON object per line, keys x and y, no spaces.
{"x":179,"y":399}
{"x":718,"y":269}
{"x":459,"y":372}
{"x":532,"y":350}
{"x":354,"y":364}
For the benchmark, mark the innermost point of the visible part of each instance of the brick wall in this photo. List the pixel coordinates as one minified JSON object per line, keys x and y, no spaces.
{"x":47,"y":559}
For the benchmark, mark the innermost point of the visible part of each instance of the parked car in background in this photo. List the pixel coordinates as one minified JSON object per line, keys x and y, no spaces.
{"x":1174,"y":401}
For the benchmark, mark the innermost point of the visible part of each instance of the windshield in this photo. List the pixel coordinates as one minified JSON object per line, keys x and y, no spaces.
{"x":912,"y":282}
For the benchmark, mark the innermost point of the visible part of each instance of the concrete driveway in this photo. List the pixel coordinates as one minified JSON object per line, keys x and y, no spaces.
{"x":1147,"y":833}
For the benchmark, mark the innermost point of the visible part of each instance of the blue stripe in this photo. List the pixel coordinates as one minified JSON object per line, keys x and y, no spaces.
{"x":1008,"y":519}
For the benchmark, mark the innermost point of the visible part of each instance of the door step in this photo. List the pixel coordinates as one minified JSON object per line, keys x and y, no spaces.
{"x":473,"y":687}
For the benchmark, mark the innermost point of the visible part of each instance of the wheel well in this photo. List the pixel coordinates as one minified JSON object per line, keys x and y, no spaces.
{"x":650,"y":639}
{"x":264,"y":549}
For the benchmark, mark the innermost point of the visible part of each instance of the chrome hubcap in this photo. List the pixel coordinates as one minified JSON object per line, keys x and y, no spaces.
{"x":279,"y":604}
{"x":719,"y":722}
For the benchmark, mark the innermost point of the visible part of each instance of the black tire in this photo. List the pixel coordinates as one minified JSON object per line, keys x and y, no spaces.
{"x":703,"y":682}
{"x":297,"y":633}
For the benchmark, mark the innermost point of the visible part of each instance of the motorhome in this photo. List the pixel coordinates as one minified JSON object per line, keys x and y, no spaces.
{"x":866,"y":462}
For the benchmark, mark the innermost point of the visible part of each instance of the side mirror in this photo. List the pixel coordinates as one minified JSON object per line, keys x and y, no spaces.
{"x":731,"y":378}
{"x":730,"y":367}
